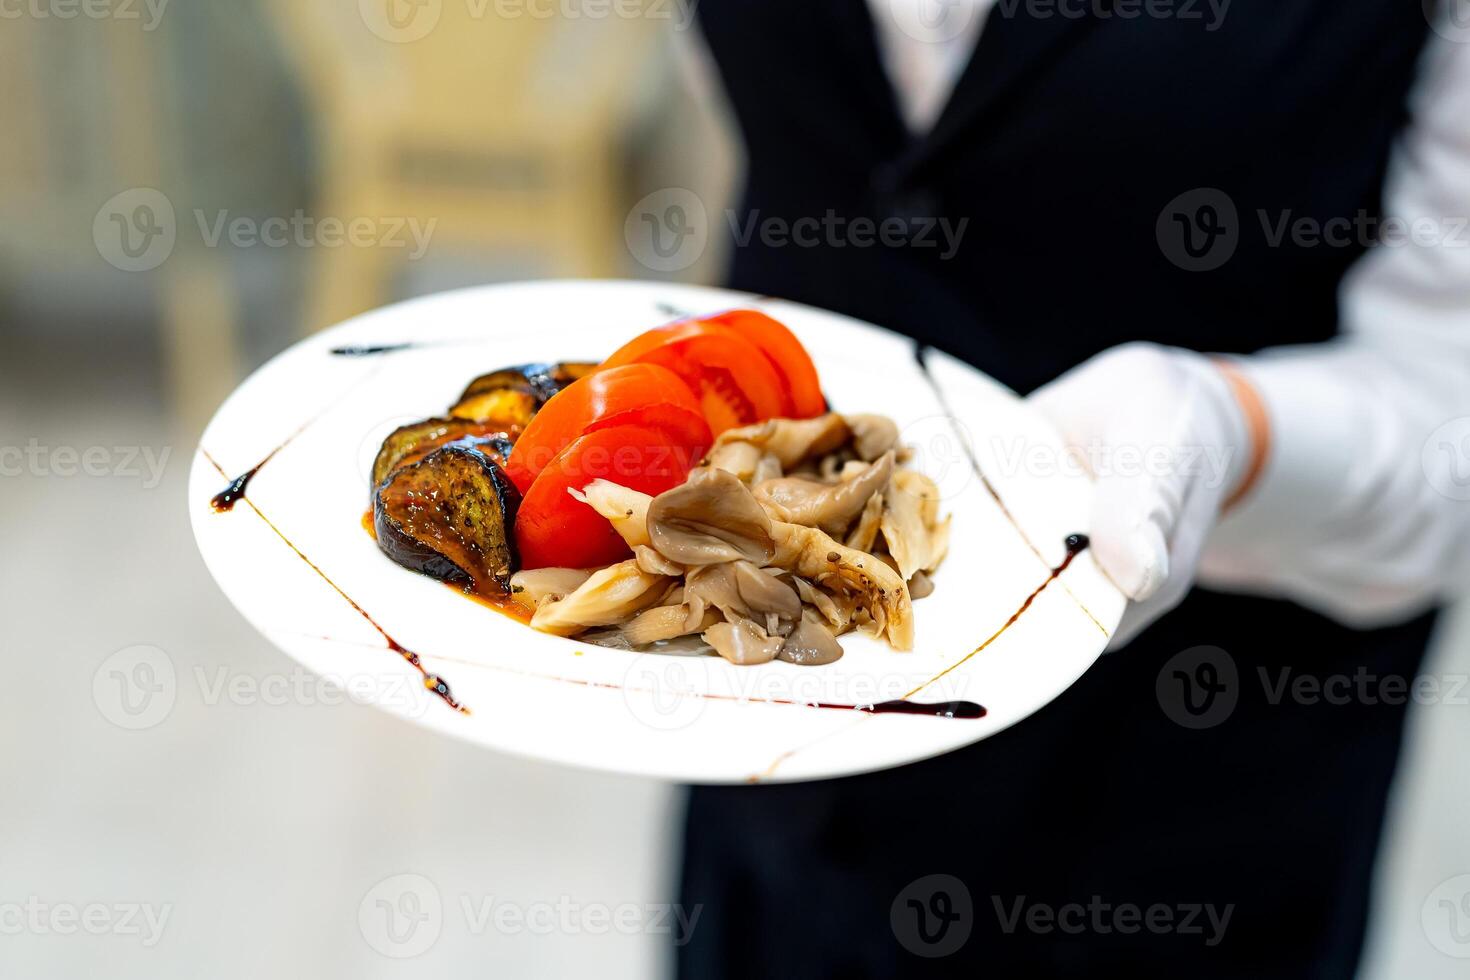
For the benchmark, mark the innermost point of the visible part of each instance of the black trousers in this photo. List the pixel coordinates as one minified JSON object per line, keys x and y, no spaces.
{"x":1180,"y":812}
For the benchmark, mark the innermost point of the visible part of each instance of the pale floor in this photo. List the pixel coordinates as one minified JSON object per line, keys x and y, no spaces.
{"x":261,"y":828}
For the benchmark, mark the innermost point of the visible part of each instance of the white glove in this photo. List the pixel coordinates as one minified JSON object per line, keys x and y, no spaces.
{"x":1167,"y":438}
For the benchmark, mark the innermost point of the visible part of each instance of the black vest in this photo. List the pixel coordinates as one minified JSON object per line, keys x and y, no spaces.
{"x":1065,"y":142}
{"x":1121,"y":178}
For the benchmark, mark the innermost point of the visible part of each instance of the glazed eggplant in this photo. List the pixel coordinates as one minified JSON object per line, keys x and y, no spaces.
{"x":512,"y":395}
{"x":411,"y":443}
{"x":451,"y":516}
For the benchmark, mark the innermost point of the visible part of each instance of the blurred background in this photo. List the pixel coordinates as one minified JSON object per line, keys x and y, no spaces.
{"x":187,"y":188}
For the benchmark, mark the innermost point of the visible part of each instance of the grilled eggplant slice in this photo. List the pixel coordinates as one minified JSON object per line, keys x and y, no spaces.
{"x":451,"y":516}
{"x":512,"y":395}
{"x":411,"y":443}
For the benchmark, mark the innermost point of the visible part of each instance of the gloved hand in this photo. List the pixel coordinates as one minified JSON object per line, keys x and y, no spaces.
{"x":1172,"y":438}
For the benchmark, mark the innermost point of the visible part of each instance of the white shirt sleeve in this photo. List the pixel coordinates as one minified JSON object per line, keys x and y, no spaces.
{"x":1363,"y":511}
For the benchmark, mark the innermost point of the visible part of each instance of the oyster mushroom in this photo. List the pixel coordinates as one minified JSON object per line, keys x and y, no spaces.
{"x":877,"y":589}
{"x":710,"y":518}
{"x":740,"y":590}
{"x":865,"y":531}
{"x":626,"y":510}
{"x":839,"y":615}
{"x":789,"y":440}
{"x":654,"y":563}
{"x":872,"y":435}
{"x":608,"y":597}
{"x":655,"y":625}
{"x":910,"y":512}
{"x":811,"y":644}
{"x":829,"y":506}
{"x":740,"y":459}
{"x":743,"y":642}
{"x":532,"y":587}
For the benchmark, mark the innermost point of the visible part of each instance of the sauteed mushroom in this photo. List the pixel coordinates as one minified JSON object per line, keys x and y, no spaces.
{"x":829,"y":506}
{"x":711,"y":518}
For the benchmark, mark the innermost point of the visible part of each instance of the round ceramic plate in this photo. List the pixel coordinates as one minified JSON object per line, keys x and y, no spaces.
{"x":999,"y":630}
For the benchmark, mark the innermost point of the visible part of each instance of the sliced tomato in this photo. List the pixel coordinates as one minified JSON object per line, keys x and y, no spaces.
{"x":638,"y":393}
{"x":735,"y":382}
{"x":786,"y":354}
{"x":554,"y":529}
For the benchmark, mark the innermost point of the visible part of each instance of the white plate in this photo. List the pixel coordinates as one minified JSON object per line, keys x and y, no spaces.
{"x":295,"y":560}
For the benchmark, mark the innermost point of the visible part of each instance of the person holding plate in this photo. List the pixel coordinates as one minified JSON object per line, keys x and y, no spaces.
{"x":1224,"y":247}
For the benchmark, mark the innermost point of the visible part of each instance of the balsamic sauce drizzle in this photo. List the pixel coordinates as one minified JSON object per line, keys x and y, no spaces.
{"x":921,"y":351}
{"x":1076,"y":544}
{"x":369,"y":350}
{"x":432,"y":682}
{"x":225,"y":501}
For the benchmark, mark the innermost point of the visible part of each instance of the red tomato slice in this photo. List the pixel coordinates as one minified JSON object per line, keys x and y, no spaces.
{"x":653,"y":395}
{"x":736,"y":384}
{"x":786,"y":354}
{"x":554,"y":529}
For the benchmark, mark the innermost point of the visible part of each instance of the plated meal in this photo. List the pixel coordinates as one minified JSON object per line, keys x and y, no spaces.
{"x":691,"y":493}
{"x":674,"y":543}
